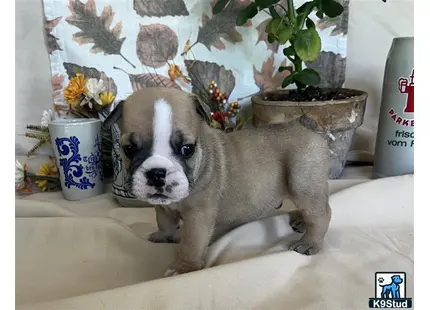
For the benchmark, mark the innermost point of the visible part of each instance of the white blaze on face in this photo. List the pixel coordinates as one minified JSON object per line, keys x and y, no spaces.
{"x":176,"y":187}
{"x":162,"y":127}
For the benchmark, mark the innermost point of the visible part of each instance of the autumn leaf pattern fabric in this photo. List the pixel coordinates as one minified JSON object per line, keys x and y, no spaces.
{"x":132,"y":44}
{"x":51,"y":41}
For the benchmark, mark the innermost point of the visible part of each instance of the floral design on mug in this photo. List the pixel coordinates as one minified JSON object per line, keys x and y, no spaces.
{"x":70,"y":161}
{"x":94,"y":162}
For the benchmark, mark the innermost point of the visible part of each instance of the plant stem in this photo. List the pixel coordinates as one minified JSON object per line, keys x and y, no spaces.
{"x":298,"y":68}
{"x":291,"y":11}
{"x":36,"y":147}
{"x":37,"y":136}
{"x":47,"y":178}
{"x":308,"y":11}
{"x":38,"y":128}
{"x":297,"y":64}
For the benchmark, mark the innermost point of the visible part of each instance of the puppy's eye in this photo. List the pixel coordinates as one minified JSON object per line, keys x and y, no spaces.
{"x":129,"y":150}
{"x":187,"y":150}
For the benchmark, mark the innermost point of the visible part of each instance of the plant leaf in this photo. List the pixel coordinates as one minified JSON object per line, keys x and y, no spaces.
{"x":248,"y":13}
{"x":289,"y":51}
{"x":215,"y":124}
{"x":202,"y":73}
{"x":267,"y":78}
{"x":285,"y":34}
{"x":288,"y":80}
{"x":262,"y":36}
{"x":51,"y":40}
{"x":219,"y":6}
{"x":340,"y":23}
{"x":271,"y":38}
{"x":156,"y":44}
{"x":307,"y":5}
{"x":274,"y":26}
{"x":160,"y":8}
{"x":318,"y":4}
{"x":307,"y":77}
{"x":331,"y":68}
{"x":95,"y":29}
{"x":222,"y":25}
{"x":310,"y":23}
{"x":331,"y":8}
{"x":240,"y":122}
{"x":90,"y":72}
{"x":307,"y":44}
{"x":300,"y":19}
{"x":282,"y":69}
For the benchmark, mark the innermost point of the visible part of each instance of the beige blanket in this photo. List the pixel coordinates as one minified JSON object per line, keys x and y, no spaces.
{"x":93,"y":255}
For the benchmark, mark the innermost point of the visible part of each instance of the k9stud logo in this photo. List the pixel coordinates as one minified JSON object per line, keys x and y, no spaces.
{"x":390,"y":291}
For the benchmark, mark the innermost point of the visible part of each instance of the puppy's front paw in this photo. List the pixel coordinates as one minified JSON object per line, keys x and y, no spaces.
{"x":306,"y":246}
{"x":161,"y":237}
{"x":180,"y":267}
{"x":170,"y":272}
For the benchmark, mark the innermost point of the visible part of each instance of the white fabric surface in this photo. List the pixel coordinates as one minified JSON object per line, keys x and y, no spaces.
{"x":71,"y":256}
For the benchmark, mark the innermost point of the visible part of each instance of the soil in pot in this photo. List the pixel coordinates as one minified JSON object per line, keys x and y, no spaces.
{"x":310,"y":94}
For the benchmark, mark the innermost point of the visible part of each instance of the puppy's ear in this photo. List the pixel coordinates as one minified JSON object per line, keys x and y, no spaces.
{"x":202,"y":109}
{"x":115,"y":115}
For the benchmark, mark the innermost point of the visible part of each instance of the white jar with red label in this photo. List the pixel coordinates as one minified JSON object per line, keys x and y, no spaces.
{"x":394,"y":148}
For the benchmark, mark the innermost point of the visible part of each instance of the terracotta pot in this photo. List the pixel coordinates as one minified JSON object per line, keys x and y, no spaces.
{"x":336,"y":120}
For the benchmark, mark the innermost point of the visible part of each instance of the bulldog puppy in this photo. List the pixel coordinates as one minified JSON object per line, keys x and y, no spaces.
{"x":215,"y":181}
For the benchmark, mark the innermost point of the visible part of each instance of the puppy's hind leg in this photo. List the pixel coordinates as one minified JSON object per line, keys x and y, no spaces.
{"x":168,"y":224}
{"x":306,"y":179}
{"x":316,"y":214}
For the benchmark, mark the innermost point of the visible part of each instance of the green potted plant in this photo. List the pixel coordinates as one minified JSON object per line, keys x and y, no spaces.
{"x":336,"y":113}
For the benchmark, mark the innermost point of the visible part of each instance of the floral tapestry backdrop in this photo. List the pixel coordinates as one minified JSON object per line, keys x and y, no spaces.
{"x":132,"y":44}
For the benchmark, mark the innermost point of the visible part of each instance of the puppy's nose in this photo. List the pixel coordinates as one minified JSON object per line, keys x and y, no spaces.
{"x":156,"y":176}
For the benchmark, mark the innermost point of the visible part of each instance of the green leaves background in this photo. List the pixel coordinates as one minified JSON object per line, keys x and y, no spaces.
{"x":294,"y":26}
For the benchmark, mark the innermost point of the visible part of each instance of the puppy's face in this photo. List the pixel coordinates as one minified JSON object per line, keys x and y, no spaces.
{"x":160,"y":144}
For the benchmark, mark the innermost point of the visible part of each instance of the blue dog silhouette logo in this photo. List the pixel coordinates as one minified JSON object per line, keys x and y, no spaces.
{"x":390,"y":291}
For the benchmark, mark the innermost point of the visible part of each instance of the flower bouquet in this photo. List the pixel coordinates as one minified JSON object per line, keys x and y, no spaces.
{"x":83,"y":98}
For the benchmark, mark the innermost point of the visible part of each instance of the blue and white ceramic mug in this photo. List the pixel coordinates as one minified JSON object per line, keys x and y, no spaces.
{"x":77,"y":148}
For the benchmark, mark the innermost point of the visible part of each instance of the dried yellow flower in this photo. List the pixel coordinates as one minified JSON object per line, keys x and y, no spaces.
{"x":46,"y":169}
{"x":106,"y":98}
{"x":75,"y":89}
